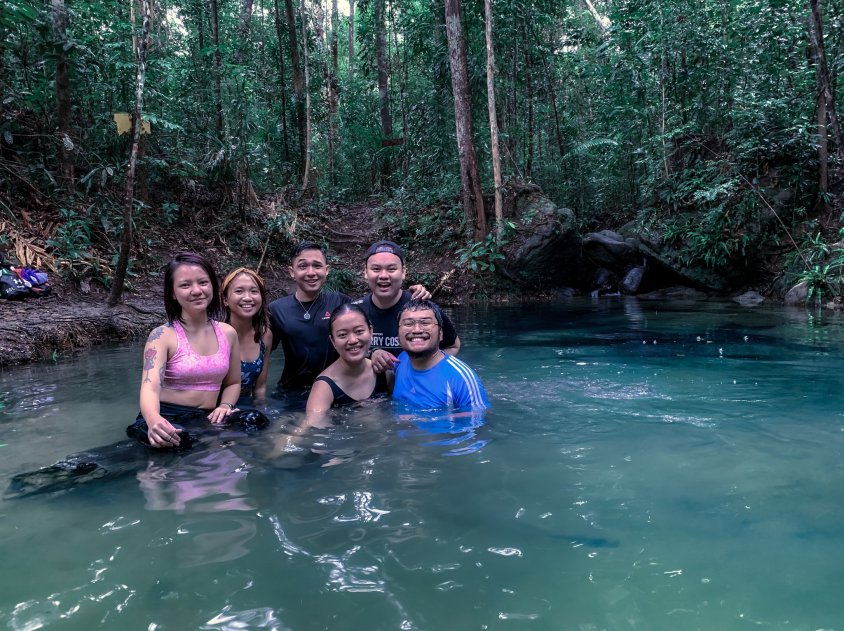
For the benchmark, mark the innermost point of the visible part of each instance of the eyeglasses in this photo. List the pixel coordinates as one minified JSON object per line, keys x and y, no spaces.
{"x":424,"y":323}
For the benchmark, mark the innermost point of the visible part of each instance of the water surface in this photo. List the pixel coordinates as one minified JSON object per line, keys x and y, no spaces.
{"x":644,"y":466}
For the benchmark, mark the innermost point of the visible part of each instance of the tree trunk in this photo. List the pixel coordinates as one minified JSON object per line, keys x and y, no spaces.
{"x":306,"y":174}
{"x":473,"y":200}
{"x":333,"y":96}
{"x":493,"y":122}
{"x":600,"y":21}
{"x":282,"y":82}
{"x":824,"y":88}
{"x":351,"y":37}
{"x":137,"y":126}
{"x":529,"y":98}
{"x":549,"y":77}
{"x":383,"y":88}
{"x":63,"y":111}
{"x":243,"y":31}
{"x":298,"y":89}
{"x":823,"y":152}
{"x":218,"y":71}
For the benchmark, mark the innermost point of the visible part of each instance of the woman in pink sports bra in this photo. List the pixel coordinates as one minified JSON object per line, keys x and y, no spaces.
{"x":193,"y":362}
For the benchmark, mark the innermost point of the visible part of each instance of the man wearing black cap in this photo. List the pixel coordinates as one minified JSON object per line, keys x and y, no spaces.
{"x":384,"y":272}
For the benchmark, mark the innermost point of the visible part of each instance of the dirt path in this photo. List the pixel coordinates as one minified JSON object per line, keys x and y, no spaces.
{"x":353,"y":230}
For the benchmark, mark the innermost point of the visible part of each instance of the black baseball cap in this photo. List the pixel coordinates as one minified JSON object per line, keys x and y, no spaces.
{"x":384,"y":246}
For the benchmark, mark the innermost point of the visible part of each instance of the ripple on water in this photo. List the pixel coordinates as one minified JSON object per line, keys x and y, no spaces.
{"x":229,"y":619}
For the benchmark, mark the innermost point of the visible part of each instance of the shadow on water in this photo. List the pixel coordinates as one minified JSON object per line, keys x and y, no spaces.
{"x":130,"y":456}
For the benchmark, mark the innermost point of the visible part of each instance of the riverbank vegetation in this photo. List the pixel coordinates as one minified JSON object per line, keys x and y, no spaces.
{"x":709,"y":123}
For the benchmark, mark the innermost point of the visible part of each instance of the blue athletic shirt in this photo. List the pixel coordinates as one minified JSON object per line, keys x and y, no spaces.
{"x":449,"y":384}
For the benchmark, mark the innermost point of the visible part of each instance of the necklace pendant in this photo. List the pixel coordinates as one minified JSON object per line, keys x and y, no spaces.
{"x":307,"y":316}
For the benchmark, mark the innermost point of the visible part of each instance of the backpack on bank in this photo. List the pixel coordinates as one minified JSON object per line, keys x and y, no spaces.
{"x":35,"y":281}
{"x":11,"y":286}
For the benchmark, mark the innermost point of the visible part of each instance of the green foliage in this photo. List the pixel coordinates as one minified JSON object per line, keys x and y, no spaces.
{"x":823,"y":270}
{"x":674,"y":108}
{"x":418,"y":220}
{"x":72,"y":238}
{"x":480,"y":256}
{"x":171,"y":212}
{"x":341,"y":279}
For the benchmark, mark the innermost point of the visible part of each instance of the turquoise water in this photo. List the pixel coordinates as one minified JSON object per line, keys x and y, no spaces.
{"x":645,"y":466}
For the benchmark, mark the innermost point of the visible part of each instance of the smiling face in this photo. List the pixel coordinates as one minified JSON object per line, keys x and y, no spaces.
{"x":192,"y":289}
{"x":243,"y":296}
{"x":351,"y":335}
{"x":419,"y":333}
{"x":309,"y":270}
{"x":384,"y":273}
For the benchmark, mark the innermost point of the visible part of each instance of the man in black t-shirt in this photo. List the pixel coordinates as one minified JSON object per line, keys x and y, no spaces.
{"x":300,"y":321}
{"x":384,"y":272}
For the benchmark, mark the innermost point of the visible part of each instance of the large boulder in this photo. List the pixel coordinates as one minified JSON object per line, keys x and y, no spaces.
{"x":797,"y":295}
{"x":609,"y":249}
{"x":544,"y":250}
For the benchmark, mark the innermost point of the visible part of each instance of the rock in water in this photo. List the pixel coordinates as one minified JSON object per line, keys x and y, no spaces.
{"x":632,"y":280}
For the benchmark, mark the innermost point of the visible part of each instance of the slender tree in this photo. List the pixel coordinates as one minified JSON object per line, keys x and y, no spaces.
{"x":282,"y":82}
{"x":471,"y":193}
{"x":526,"y":45}
{"x":600,"y":21}
{"x":243,"y":29}
{"x":351,"y":37}
{"x":333,"y":96}
{"x":306,"y":173}
{"x":218,"y":71}
{"x":493,"y":120}
{"x":383,"y":87}
{"x":824,"y":89}
{"x":298,"y":84}
{"x":137,"y":127}
{"x":63,"y":103}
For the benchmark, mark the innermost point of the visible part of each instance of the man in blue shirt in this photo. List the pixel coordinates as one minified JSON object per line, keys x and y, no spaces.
{"x":427,"y":377}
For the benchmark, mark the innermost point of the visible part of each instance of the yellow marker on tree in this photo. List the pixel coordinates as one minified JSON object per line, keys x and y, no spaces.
{"x":124,"y":124}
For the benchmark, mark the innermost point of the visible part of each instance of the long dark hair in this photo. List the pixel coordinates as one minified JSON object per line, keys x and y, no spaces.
{"x":171,"y":305}
{"x":261,"y":318}
{"x":343,"y":309}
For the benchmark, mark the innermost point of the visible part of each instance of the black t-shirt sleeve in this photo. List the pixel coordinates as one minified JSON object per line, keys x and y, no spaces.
{"x":275,"y":326}
{"x":449,"y":333}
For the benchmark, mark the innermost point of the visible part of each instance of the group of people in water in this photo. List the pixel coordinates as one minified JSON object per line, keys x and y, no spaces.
{"x":213,"y":354}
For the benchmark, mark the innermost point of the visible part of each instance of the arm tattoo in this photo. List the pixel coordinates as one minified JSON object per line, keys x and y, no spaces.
{"x":149,"y":363}
{"x":161,"y":373}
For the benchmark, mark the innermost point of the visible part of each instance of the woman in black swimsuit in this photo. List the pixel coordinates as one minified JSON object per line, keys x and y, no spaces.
{"x":350,"y":379}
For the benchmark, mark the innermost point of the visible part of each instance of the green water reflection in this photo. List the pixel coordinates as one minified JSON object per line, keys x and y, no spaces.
{"x":648,"y":466}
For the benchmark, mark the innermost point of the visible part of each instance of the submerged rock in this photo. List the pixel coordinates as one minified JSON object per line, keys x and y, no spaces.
{"x":750,"y":299}
{"x":674,"y":293}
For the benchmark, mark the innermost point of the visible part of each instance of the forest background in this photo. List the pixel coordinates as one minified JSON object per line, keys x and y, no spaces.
{"x":261,"y":118}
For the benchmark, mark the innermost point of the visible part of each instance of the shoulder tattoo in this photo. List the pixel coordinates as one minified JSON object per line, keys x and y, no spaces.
{"x":156,"y":333}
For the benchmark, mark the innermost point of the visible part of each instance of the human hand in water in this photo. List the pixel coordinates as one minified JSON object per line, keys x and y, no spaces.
{"x":219,"y":413}
{"x":382,"y":360}
{"x":418,"y":292}
{"x":162,"y":434}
